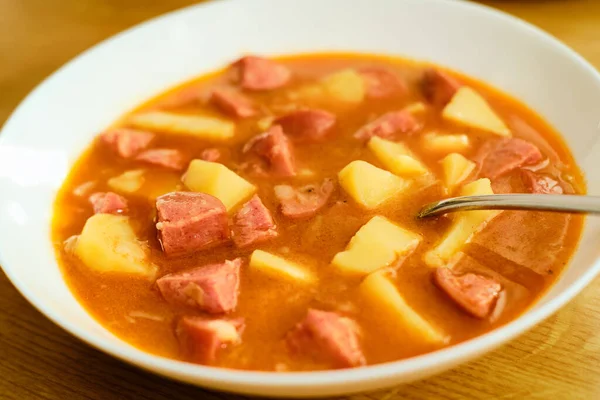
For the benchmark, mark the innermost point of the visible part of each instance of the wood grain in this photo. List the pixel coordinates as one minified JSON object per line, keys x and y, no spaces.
{"x":559,"y":359}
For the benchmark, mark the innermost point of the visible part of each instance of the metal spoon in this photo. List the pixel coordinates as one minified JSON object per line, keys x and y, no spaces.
{"x":542,"y":202}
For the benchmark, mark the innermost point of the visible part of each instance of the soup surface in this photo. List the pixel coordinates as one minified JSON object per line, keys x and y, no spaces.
{"x":263,"y":217}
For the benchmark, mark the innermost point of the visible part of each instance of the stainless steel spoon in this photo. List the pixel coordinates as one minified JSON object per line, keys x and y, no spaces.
{"x":542,"y":202}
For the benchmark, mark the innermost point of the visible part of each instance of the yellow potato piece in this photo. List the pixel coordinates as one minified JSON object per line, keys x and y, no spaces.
{"x":109,"y":244}
{"x":464,"y":226}
{"x":370,"y":186}
{"x":445,"y":143}
{"x":386,"y":299}
{"x":265,"y":123}
{"x":416,"y":108}
{"x":128,"y":182}
{"x":346,"y":86}
{"x":456,"y":169}
{"x":467,"y":107}
{"x":201,"y":126}
{"x":397,"y":158}
{"x":279,"y":267}
{"x":377,"y":244}
{"x":219,"y":181}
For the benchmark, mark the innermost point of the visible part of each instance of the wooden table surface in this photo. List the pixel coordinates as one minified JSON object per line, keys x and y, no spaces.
{"x":560,"y":359}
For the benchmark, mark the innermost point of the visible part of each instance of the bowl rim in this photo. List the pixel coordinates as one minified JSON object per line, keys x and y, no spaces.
{"x":448,"y":356}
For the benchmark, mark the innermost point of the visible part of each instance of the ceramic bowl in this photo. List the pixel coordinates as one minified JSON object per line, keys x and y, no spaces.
{"x":56,"y":122}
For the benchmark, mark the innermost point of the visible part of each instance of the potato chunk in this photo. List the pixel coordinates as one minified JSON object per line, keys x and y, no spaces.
{"x":108,"y":244}
{"x":377,"y":244}
{"x":219,"y":181}
{"x":201,"y":126}
{"x":385,"y":298}
{"x":445,"y":143}
{"x":346,"y":86}
{"x":370,"y":186}
{"x":397,"y":158}
{"x":416,"y":108}
{"x":464,"y":226}
{"x":128,"y":182}
{"x":467,"y":107}
{"x":456,"y":169}
{"x":279,"y":267}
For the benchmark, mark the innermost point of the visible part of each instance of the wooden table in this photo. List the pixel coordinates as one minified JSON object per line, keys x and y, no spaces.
{"x":560,"y":359}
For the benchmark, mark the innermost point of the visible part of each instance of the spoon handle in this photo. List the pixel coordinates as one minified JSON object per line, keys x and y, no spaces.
{"x":543,"y":202}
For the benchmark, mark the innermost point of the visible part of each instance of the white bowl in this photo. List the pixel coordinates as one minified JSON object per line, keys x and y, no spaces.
{"x":56,"y":122}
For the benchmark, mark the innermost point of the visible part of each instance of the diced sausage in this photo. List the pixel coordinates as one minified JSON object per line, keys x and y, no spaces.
{"x":200,"y":339}
{"x":540,"y":183}
{"x":253,"y":224}
{"x":127,"y":142}
{"x":168,"y":158}
{"x":503,"y":185}
{"x":274,"y":148}
{"x":307,"y":125}
{"x":212,"y":288}
{"x":305,"y":201}
{"x":233,"y":103}
{"x":108,"y":203}
{"x":211,"y":154}
{"x":522,"y":246}
{"x":502,"y":156}
{"x":476,"y":294}
{"x":389,"y":124}
{"x":257,"y":73}
{"x":525,"y":131}
{"x":382,"y":83}
{"x":438,"y":87}
{"x":519,"y":285}
{"x":327,"y":336}
{"x":190,"y":221}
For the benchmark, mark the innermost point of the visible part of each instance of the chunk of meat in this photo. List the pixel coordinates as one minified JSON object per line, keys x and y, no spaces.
{"x":127,"y":142}
{"x":389,"y":124}
{"x":253,"y":224}
{"x":382,"y":83}
{"x":233,"y":103}
{"x":108,"y":203}
{"x":536,"y":183}
{"x":503,"y":185}
{"x":305,"y":201}
{"x":190,"y":221}
{"x":518,"y":284}
{"x":525,"y":131}
{"x":537,"y":244}
{"x":274,"y":148}
{"x":310,"y":125}
{"x":257,"y":73}
{"x":200,"y":339}
{"x":168,"y":158}
{"x":438,"y":87}
{"x":327,"y":336}
{"x":212,"y":288}
{"x":211,"y":154}
{"x":476,"y":294}
{"x":496,"y":158}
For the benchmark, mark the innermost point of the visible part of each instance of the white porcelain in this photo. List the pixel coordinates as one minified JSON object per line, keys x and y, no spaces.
{"x":56,"y":122}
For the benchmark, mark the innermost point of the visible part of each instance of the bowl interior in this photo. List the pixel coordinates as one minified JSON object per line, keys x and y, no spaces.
{"x":56,"y":122}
